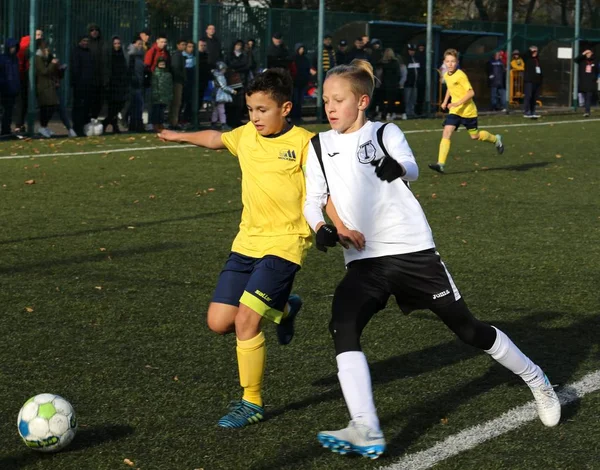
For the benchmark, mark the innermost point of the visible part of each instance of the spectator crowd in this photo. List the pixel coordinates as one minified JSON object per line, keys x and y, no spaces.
{"x":141,"y":85}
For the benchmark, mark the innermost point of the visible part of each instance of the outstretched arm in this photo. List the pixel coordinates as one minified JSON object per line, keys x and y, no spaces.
{"x":207,"y":139}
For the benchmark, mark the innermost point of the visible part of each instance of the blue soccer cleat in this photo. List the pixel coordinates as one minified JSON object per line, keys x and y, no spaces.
{"x":285,"y":330}
{"x":357,"y":438}
{"x":242,"y":413}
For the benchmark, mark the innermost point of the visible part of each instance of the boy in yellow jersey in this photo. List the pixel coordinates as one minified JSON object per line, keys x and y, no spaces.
{"x":462,"y":111}
{"x":273,"y":239}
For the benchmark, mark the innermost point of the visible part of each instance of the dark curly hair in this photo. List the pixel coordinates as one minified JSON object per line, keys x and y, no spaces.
{"x":275,"y":82}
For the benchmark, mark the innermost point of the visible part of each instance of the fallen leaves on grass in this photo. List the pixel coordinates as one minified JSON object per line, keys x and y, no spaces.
{"x":152,"y":196}
{"x":148,"y":366}
{"x":128,"y":462}
{"x":434,"y":196}
{"x":463,"y":184}
{"x":131,"y":158}
{"x":98,"y":287}
{"x":29,"y":309}
{"x":102,"y":249}
{"x":558,"y":155}
{"x":30,"y":182}
{"x":444,"y":421}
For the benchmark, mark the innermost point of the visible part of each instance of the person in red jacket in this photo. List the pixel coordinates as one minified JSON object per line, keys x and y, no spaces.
{"x":23,"y":101}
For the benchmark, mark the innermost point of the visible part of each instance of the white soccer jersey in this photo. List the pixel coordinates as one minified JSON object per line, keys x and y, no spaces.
{"x":387,"y":214}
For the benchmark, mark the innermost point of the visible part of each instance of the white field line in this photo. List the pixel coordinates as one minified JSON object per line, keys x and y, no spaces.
{"x":169,"y":147}
{"x":509,"y":421}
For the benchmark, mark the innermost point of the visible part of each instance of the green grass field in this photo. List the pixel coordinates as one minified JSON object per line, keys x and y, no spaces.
{"x":109,"y":261}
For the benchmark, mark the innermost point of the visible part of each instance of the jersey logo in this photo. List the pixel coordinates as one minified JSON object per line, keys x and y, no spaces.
{"x":287,"y":155}
{"x":333,"y":154}
{"x":366,"y":152}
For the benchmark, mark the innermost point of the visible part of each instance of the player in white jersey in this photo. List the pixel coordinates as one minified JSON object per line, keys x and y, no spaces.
{"x":365,"y":168}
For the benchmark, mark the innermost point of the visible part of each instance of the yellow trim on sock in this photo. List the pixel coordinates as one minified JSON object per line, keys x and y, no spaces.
{"x":444,"y":150}
{"x":485,"y":136}
{"x":252,"y":355}
{"x":264,"y":310}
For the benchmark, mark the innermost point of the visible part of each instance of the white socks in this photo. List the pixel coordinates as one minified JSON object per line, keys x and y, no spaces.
{"x":511,"y":357}
{"x":355,"y":379}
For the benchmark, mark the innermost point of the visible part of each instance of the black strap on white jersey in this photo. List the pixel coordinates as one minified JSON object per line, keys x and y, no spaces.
{"x":316,"y":143}
{"x":385,"y":152}
{"x":380,"y":139}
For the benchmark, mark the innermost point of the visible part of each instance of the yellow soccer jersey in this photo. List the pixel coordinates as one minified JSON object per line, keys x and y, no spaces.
{"x":458,"y":84}
{"x":273,"y":192}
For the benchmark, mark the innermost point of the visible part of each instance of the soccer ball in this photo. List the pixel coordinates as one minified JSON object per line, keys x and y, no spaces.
{"x":47,"y":423}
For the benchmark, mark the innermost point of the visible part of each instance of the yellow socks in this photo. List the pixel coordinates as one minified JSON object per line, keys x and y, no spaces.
{"x":444,"y":150}
{"x":485,"y":136}
{"x":252,"y":355}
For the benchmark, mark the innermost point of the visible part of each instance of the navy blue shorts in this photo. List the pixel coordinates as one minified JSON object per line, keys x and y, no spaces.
{"x":456,"y":121}
{"x":262,"y":284}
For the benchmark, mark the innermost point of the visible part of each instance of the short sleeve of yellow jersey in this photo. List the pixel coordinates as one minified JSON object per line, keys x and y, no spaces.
{"x":232,"y":139}
{"x":463,"y":81}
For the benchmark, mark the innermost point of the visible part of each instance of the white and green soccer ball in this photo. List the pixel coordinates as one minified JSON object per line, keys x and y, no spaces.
{"x":47,"y":423}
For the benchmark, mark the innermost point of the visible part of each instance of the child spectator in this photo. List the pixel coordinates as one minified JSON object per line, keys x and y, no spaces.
{"x":135,"y":52}
{"x":221,"y":94}
{"x":162,"y":92}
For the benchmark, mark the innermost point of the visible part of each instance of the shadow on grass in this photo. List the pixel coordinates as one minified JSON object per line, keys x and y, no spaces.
{"x":86,"y":438}
{"x":120,"y":227}
{"x":559,"y":351}
{"x":96,"y":257}
{"x":521,"y":167}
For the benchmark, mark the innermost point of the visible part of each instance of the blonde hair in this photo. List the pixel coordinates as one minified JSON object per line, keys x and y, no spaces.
{"x":360,"y":75}
{"x":452,"y":52}
{"x":388,"y":55}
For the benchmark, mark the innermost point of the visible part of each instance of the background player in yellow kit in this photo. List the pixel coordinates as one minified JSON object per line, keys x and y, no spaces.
{"x":462,"y":111}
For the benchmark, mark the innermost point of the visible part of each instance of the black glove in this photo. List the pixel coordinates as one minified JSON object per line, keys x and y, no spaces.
{"x":388,"y":169}
{"x":326,"y":236}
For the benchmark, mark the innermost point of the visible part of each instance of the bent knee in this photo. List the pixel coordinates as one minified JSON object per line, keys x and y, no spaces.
{"x":221,"y":318}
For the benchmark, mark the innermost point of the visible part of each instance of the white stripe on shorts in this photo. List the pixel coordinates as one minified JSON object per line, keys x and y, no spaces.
{"x":450,"y":280}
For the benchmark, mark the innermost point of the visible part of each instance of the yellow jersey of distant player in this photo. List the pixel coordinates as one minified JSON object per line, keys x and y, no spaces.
{"x":458,"y":84}
{"x":273,"y":192}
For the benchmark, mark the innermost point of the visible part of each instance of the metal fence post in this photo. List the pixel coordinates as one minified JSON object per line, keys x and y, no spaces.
{"x":142,"y":13}
{"x":11,"y":18}
{"x":320,"y":61}
{"x":509,"y":33}
{"x":195,"y":94}
{"x":32,"y":102}
{"x":576,"y":54}
{"x":67,"y":51}
{"x":428,"y":58}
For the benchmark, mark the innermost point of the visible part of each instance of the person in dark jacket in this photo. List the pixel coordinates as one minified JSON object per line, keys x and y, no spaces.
{"x":204,"y":70}
{"x":252,"y":64}
{"x":588,"y":73}
{"x":46,"y":75}
{"x":301,"y":74}
{"x":359,"y":51}
{"x":82,"y":81}
{"x":117,"y":84}
{"x":278,"y":55}
{"x":342,"y":55}
{"x":189,"y":58}
{"x":136,"y":70}
{"x":421,"y":56}
{"x":98,"y":52}
{"x":496,"y":73}
{"x":10,"y":84}
{"x":390,"y":83}
{"x":237,"y":73}
{"x":178,"y":73}
{"x":214,"y":49}
{"x":533,"y":81}
{"x":413,"y":74}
